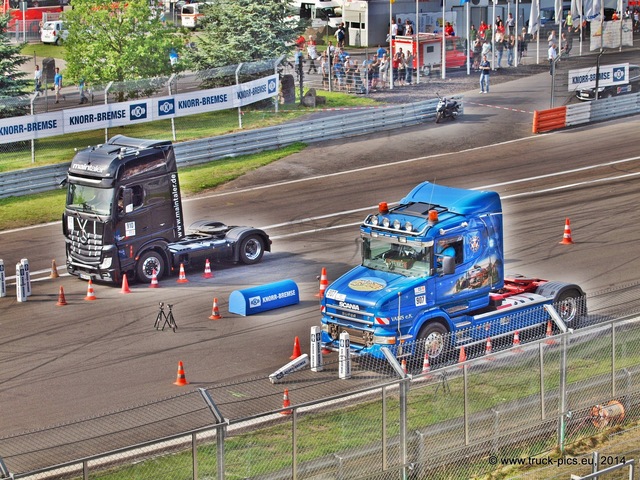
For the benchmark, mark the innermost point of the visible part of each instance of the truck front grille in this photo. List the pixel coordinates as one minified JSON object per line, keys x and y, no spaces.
{"x":85,"y":241}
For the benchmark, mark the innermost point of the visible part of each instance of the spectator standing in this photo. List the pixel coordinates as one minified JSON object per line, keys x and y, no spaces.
{"x":312,"y":53}
{"x":37,"y":80}
{"x":57,"y":85}
{"x":567,"y":40}
{"x":551,"y":55}
{"x":324,"y":70}
{"x":473,"y":34}
{"x":488,"y":33}
{"x":485,"y":74}
{"x":477,"y":53}
{"x":448,"y":30}
{"x":511,"y":25}
{"x":340,"y":35}
{"x":499,"y":51}
{"x":81,"y":88}
{"x":383,"y":69}
{"x":395,"y":65}
{"x":482,"y":30}
{"x":486,"y":48}
{"x":522,"y":46}
{"x":381,"y":51}
{"x":393,"y":30}
{"x":409,"y":58}
{"x":400,"y":26}
{"x":374,"y":72}
{"x":408,"y":27}
{"x":510,"y":44}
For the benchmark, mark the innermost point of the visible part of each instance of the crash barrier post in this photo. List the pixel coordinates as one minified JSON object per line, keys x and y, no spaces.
{"x":316,"y":349}
{"x":264,"y":297}
{"x":548,"y":120}
{"x":3,"y":280}
{"x":344,"y":360}
{"x":21,"y":287}
{"x":27,"y":276}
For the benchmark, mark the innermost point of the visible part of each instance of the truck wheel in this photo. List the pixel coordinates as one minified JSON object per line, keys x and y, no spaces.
{"x":150,"y":261}
{"x":251,"y":249}
{"x":435,"y":340}
{"x":570,"y":306}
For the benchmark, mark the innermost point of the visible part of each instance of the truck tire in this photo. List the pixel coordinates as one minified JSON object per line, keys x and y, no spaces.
{"x":570,"y":306}
{"x":149,"y":261}
{"x":433,"y":338}
{"x":251,"y":249}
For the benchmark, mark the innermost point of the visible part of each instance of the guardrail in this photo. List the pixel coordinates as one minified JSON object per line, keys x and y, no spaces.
{"x":581,"y":113}
{"x":361,"y":122}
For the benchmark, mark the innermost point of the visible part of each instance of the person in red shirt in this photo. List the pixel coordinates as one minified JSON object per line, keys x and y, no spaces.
{"x":481,"y":30}
{"x":448,"y":29}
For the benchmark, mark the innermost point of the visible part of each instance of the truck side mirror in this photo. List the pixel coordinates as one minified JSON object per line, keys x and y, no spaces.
{"x":448,"y":265}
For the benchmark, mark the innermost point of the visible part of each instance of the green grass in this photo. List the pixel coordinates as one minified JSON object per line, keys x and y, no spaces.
{"x":38,"y":51}
{"x":46,"y":207}
{"x":326,"y":433}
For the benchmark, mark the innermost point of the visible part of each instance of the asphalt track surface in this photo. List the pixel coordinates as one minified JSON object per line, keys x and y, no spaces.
{"x":87,"y":358}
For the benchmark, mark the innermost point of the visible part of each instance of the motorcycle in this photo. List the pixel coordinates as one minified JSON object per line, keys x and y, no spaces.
{"x":446,"y":109}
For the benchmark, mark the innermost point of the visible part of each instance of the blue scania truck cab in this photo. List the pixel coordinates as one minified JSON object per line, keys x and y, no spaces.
{"x":432,"y":270}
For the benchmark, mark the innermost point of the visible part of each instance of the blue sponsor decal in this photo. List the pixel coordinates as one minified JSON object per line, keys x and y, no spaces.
{"x":138,"y":111}
{"x":166,"y":107}
{"x":271,"y":86}
{"x":619,"y":74}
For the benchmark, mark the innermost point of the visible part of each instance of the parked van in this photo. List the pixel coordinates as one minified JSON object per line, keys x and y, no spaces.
{"x":53,"y":32}
{"x":191,"y":15}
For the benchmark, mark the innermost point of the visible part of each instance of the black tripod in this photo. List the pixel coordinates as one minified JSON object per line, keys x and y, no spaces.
{"x":168,"y":319}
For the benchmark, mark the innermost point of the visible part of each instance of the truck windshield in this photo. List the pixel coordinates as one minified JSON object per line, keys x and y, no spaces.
{"x":84,"y":198}
{"x":402,"y":258}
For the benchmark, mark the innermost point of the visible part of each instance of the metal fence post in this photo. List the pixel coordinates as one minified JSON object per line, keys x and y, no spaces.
{"x":106,"y":102}
{"x":4,"y":471}
{"x":466,"y":403}
{"x":238,"y":83}
{"x":173,"y":123}
{"x":220,"y":430}
{"x":613,"y":359}
{"x":541,"y":357}
{"x":384,"y":428}
{"x":563,"y":393}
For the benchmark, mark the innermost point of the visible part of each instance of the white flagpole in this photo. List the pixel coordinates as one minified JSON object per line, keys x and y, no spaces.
{"x":443,"y":72}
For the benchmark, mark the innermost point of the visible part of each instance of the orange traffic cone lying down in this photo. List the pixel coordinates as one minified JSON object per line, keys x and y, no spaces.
{"x":566,"y":237}
{"x":296,"y":349}
{"x":91,"y":295}
{"x":181,"y":380}
{"x":286,"y":403}
{"x":61,"y":299}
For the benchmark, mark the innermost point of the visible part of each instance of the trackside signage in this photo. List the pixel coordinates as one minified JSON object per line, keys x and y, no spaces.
{"x":608,"y":75}
{"x":119,"y":114}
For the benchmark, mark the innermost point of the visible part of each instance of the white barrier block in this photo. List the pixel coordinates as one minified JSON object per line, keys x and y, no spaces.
{"x":27,"y":276}
{"x":21,"y":289}
{"x":344,"y":358}
{"x":3,"y":280}
{"x":316,"y":349}
{"x":293,"y":366}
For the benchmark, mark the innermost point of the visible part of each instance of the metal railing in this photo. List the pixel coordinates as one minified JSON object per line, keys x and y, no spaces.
{"x":457,"y":421}
{"x":359,"y":122}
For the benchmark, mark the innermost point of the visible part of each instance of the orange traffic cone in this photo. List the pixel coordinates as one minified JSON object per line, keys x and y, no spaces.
{"x":125,"y":284}
{"x":403,"y":364}
{"x":463,"y":356}
{"x":426,"y":368}
{"x":181,"y":380}
{"x":154,"y":280}
{"x":323,"y":283}
{"x":566,"y":238}
{"x":286,"y":403}
{"x":296,"y":349}
{"x":516,"y":339}
{"x":90,"y":293}
{"x":549,"y":340}
{"x":182,"y":278}
{"x":207,"y":270}
{"x":215,"y":313}
{"x":488,"y":348}
{"x":54,"y":269}
{"x":61,"y":299}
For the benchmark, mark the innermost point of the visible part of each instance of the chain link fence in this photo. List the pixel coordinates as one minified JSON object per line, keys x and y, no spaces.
{"x":512,"y":405}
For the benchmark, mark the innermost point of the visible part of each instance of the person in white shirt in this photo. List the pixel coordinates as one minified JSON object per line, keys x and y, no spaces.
{"x":552,"y":54}
{"x":37,"y":80}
